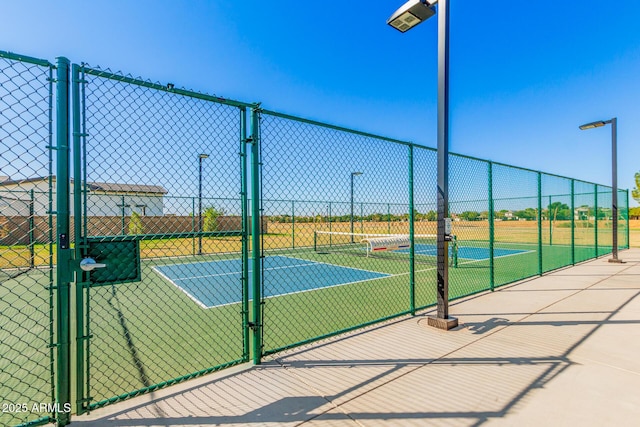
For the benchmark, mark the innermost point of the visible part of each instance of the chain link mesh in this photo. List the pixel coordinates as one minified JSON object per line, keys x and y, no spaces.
{"x":360,"y":185}
{"x":623,"y":219}
{"x":163,"y":168}
{"x":516,"y":206}
{"x":556,"y":222}
{"x":469,"y":211}
{"x":604,"y":215}
{"x":26,"y":250}
{"x":585,"y":225}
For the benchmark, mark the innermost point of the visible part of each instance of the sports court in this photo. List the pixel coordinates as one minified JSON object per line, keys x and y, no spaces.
{"x":217,"y":283}
{"x":473,"y":253}
{"x":222,"y":285}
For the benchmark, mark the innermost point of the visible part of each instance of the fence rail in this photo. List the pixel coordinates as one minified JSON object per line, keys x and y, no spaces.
{"x":181,"y":174}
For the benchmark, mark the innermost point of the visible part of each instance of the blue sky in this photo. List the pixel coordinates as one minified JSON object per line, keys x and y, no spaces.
{"x":523,"y":77}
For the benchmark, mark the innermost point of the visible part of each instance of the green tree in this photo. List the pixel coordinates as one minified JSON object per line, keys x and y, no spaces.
{"x":432,"y":216}
{"x":135,"y":224}
{"x":470,"y":215}
{"x":636,"y":191}
{"x":210,"y":218}
{"x":559,"y":210}
{"x":528,"y":214}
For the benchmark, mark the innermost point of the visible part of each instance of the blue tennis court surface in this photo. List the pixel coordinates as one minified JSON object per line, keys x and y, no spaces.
{"x":466,"y":252}
{"x":216,"y":283}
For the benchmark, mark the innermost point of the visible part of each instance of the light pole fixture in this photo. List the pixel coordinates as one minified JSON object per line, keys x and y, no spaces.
{"x":614,"y":179}
{"x":406,"y":17}
{"x":201,"y":157}
{"x":351,"y":217}
{"x":411,"y":14}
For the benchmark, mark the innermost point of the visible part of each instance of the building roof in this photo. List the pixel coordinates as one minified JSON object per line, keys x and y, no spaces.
{"x":125,"y":188}
{"x":108,"y":187}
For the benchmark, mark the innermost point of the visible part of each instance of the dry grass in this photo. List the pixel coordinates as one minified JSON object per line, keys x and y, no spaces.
{"x":281,"y":237}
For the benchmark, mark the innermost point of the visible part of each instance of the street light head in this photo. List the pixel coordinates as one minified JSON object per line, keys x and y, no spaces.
{"x":356,"y":173}
{"x":203,"y":156}
{"x":592,"y":125}
{"x":411,"y":14}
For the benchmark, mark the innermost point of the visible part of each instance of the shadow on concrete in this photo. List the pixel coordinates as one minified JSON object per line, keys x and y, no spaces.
{"x":299,"y":409}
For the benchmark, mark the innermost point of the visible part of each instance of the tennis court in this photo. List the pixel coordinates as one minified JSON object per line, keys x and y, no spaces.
{"x":465,"y":252}
{"x":425,"y":247}
{"x":220,"y":285}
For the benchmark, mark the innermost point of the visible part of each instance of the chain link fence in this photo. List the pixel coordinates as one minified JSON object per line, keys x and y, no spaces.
{"x":26,"y":241}
{"x":327,"y":284}
{"x":164,"y":168}
{"x":164,"y":185}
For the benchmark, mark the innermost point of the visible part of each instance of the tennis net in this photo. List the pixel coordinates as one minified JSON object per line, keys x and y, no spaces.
{"x":387,"y":246}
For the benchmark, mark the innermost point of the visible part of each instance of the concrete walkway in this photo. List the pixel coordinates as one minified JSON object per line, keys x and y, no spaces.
{"x":559,"y":350}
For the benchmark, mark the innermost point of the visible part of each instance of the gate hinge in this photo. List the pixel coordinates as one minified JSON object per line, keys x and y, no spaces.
{"x":85,"y":337}
{"x":253,"y":325}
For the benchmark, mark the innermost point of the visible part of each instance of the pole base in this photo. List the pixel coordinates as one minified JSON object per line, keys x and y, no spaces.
{"x":616,"y":260}
{"x":444,"y":324}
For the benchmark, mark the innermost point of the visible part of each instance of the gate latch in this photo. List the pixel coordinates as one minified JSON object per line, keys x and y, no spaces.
{"x":89,"y":264}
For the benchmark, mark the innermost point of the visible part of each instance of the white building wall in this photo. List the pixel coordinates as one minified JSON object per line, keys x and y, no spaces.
{"x":15,"y":200}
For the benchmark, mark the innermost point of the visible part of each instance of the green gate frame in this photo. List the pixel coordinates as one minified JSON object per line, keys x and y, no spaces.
{"x":84,"y":401}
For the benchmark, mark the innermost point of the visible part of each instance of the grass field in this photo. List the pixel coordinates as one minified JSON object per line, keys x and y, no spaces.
{"x":148,"y":332}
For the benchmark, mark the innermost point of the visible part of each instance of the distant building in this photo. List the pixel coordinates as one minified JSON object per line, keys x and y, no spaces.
{"x":581,"y":213}
{"x":103,"y":199}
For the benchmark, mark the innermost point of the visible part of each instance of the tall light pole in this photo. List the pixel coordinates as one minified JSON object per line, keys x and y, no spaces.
{"x":351,"y":217}
{"x":614,"y":179}
{"x":201,"y":157}
{"x":406,"y":17}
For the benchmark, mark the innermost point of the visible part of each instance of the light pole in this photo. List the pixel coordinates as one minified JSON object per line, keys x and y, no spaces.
{"x":406,"y":17}
{"x":351,"y":217}
{"x":614,"y":179}
{"x":201,"y":157}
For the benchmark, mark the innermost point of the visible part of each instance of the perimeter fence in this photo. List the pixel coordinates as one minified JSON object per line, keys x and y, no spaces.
{"x":159,"y":186}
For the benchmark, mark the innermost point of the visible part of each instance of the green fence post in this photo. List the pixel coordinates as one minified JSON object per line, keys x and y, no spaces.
{"x":491,"y":229}
{"x":64,"y":272}
{"x":245,"y":235}
{"x":293,"y":224}
{"x":550,"y":223}
{"x":124,"y":213}
{"x":330,"y":224}
{"x":573,"y":223}
{"x":539,"y":223}
{"x":595,"y":218}
{"x":256,"y":223}
{"x":628,"y":223}
{"x":32,"y":230}
{"x":193,"y":223}
{"x":412,"y":278}
{"x":81,"y":334}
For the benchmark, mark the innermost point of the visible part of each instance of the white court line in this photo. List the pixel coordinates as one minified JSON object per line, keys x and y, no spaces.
{"x":337,"y":265}
{"x":381,"y":276}
{"x":237,"y":272}
{"x":197,"y":301}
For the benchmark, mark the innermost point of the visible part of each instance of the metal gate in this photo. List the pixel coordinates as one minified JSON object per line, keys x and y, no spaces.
{"x":159,"y":187}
